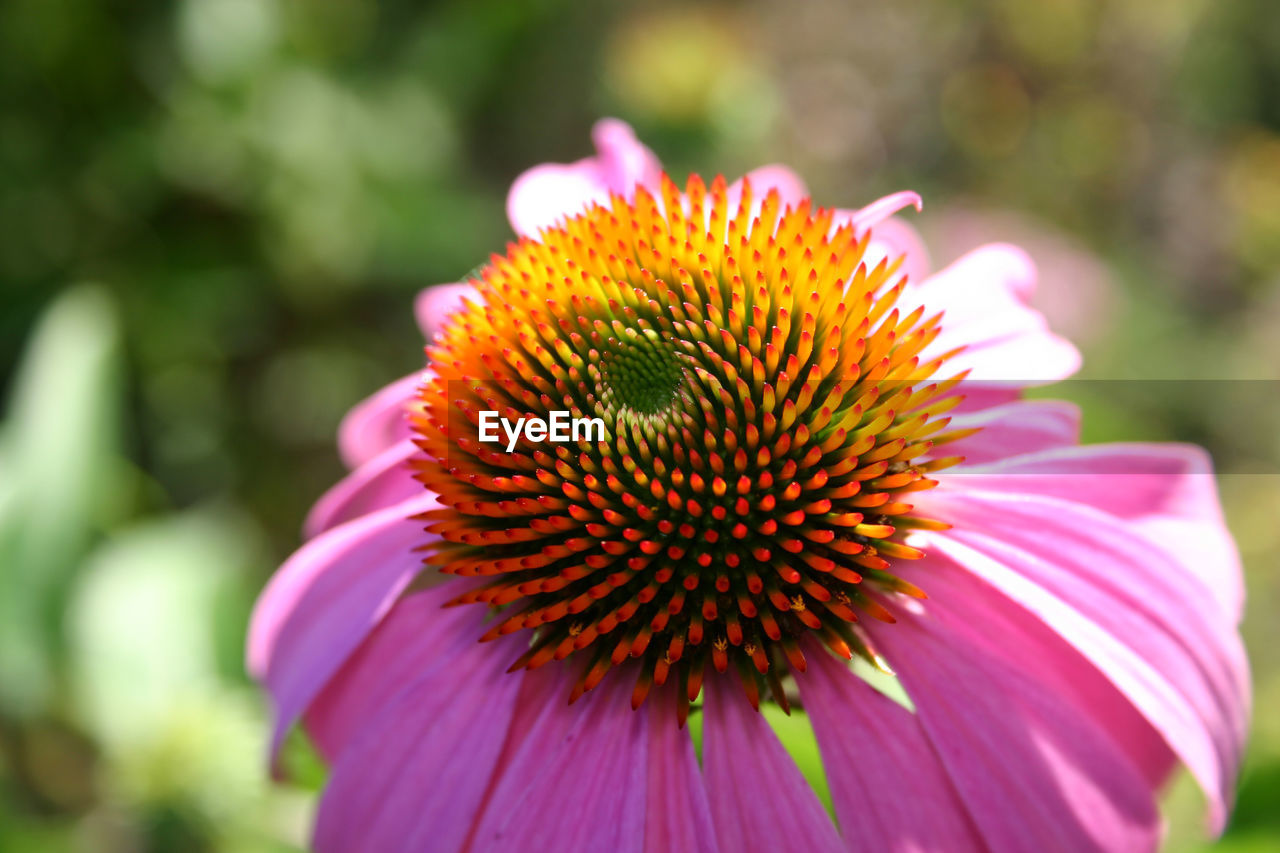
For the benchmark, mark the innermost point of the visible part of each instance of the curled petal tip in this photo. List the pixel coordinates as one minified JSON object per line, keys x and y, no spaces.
{"x":881,"y":209}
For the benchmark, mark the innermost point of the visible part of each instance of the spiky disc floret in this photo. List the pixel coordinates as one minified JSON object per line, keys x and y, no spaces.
{"x":767,"y":416}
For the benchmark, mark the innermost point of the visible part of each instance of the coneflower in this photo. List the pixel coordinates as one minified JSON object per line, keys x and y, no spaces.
{"x":498,"y":644}
{"x":763,"y":439}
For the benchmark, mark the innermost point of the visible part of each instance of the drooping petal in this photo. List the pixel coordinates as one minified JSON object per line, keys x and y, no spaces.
{"x":1012,"y":429}
{"x":1019,"y":359}
{"x":984,"y":621}
{"x":1032,"y":772}
{"x":382,"y":481}
{"x":435,"y":304}
{"x":577,"y":780}
{"x":325,"y":600}
{"x":418,"y":637}
{"x":420,"y":649}
{"x":378,"y":421}
{"x":980,"y":396}
{"x":982,"y":297}
{"x":420,"y":771}
{"x":547,"y":193}
{"x":758,"y":796}
{"x":1167,"y":491}
{"x":1129,"y":607}
{"x":889,"y":789}
{"x":677,"y":816}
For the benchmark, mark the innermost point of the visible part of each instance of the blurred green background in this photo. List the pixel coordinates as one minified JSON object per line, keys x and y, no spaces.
{"x":214,"y":215}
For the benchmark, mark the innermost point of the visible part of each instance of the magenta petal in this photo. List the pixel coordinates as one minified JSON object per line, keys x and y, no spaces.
{"x":326,"y":599}
{"x":434,"y":305}
{"x":1167,"y":491}
{"x":978,"y":397}
{"x":548,"y":745}
{"x":577,"y":782}
{"x":378,"y":421}
{"x":1012,"y":429}
{"x":1032,"y":772}
{"x":987,"y":622}
{"x":889,"y":789}
{"x":552,"y":191}
{"x":416,"y":777}
{"x":1126,"y":607}
{"x":677,"y":816}
{"x":758,"y":796}
{"x":382,"y":481}
{"x":418,"y":638}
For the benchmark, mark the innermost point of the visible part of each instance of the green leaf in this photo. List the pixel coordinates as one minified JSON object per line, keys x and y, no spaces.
{"x":58,"y":456}
{"x":142,"y":626}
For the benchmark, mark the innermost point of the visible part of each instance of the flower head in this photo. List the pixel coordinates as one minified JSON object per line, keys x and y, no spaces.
{"x":781,"y":387}
{"x":767,"y":410}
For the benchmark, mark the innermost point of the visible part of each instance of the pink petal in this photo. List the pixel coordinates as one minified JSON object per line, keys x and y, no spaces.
{"x":980,"y":396}
{"x":434,"y":305}
{"x":1032,"y":772}
{"x":1012,"y":429}
{"x":325,"y":600}
{"x":577,"y":781}
{"x":1005,"y":262}
{"x":982,"y":297}
{"x":790,"y":187}
{"x":419,"y":643}
{"x":623,"y":160}
{"x":987,"y":622}
{"x":889,"y":789}
{"x":291,"y":581}
{"x":378,"y":421}
{"x":1020,"y":360}
{"x":421,"y":768}
{"x":758,"y":796}
{"x":678,"y":816}
{"x":881,"y":209}
{"x":1126,"y":607}
{"x":893,"y":238}
{"x":547,"y":193}
{"x":382,"y":481}
{"x":417,"y":639}
{"x":1167,"y":491}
